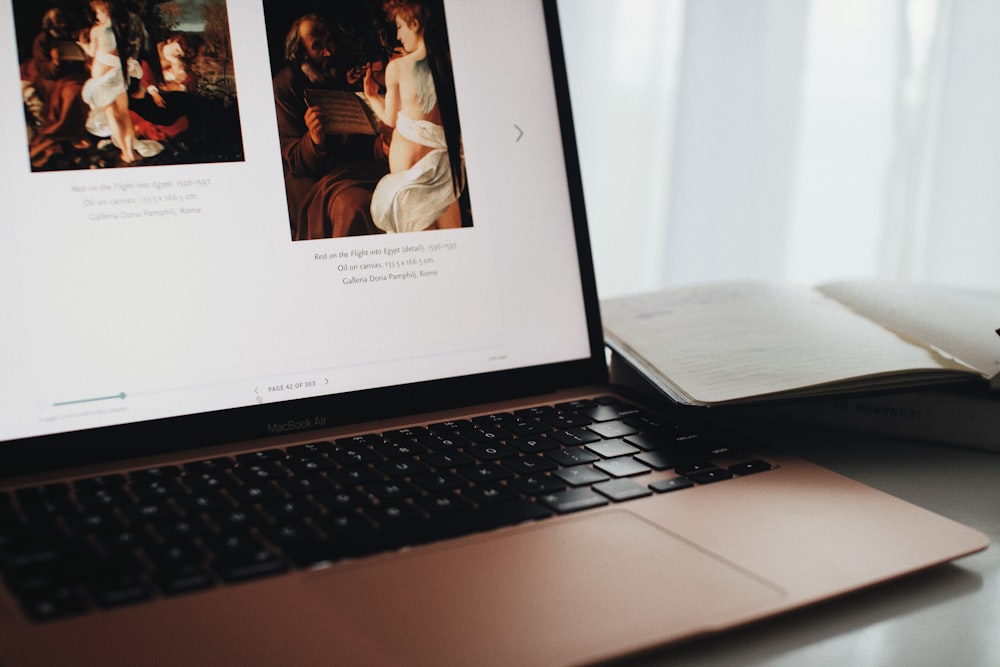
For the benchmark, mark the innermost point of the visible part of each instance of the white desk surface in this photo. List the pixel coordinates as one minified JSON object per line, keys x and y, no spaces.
{"x":946,"y":616}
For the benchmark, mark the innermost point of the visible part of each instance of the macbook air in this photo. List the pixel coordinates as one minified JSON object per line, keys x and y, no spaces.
{"x":302,"y":362}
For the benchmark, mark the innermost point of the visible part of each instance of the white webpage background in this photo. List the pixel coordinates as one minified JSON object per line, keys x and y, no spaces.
{"x":220,"y":309}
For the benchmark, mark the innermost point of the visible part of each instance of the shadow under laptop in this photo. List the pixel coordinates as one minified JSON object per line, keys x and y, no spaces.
{"x":882,"y":625}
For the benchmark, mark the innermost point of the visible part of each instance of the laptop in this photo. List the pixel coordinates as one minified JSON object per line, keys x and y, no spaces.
{"x":242,"y":427}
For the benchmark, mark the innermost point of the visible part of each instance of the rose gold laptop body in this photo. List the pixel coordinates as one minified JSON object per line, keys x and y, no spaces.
{"x":571,"y":589}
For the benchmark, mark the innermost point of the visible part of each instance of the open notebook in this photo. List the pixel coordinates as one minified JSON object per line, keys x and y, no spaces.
{"x":275,"y":393}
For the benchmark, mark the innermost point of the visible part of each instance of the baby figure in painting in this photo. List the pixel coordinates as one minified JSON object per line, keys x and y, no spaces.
{"x":105,"y":91}
{"x":419,"y":191}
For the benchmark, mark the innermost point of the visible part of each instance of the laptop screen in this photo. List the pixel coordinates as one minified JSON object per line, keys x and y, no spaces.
{"x":217,"y":205}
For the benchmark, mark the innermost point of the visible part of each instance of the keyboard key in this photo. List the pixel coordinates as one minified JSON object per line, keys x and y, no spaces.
{"x":159,"y":510}
{"x":534,"y":412}
{"x":402,"y":467}
{"x":302,"y":484}
{"x":750,"y":467}
{"x":658,"y":459}
{"x":484,"y":435}
{"x":217,"y":464}
{"x":101,"y":482}
{"x":580,"y":475}
{"x":286,"y":509}
{"x":153,"y":474}
{"x":494,"y":419}
{"x":183,"y":579}
{"x":613,"y":429}
{"x":308,"y":463}
{"x":443,"y":503}
{"x":354,"y":455}
{"x":573,"y":500}
{"x":262,"y":457}
{"x":355,"y":476}
{"x":392,"y":491}
{"x":649,"y":441}
{"x":687,"y":469}
{"x":207,"y":480}
{"x":620,"y":490}
{"x":394,"y":513}
{"x":446,"y":459}
{"x":103,"y":520}
{"x":259,"y":472}
{"x":238,"y":557}
{"x":485,"y":472}
{"x":237,"y":519}
{"x":255,"y":492}
{"x":441,"y":441}
{"x":566,"y":420}
{"x":571,"y":456}
{"x":339,"y":500}
{"x":579,"y":405}
{"x":709,"y":476}
{"x":610,"y":449}
{"x":54,"y":603}
{"x":405,"y":449}
{"x":486,"y":494}
{"x":623,"y":466}
{"x":124,"y":540}
{"x":260,"y":563}
{"x":337,"y":526}
{"x":531,"y":464}
{"x":609,"y":412}
{"x":310,"y":449}
{"x":535,"y":485}
{"x":693,"y":443}
{"x":439,"y":481}
{"x":450,"y":426}
{"x":490,"y":452}
{"x":182,"y":530}
{"x":533,"y":445}
{"x":408,"y":433}
{"x":34,"y":555}
{"x":527,"y":428}
{"x":652,"y":424}
{"x":288,"y":532}
{"x":673,"y":484}
{"x":302,"y":545}
{"x":360,"y":442}
{"x":103,"y":500}
{"x":206,"y":501}
{"x":118,"y":589}
{"x":575,"y":436}
{"x":28,"y":582}
{"x":173,"y":555}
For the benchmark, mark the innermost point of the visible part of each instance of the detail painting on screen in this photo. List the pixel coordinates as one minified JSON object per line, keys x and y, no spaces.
{"x":367,"y":117}
{"x":120,"y":83}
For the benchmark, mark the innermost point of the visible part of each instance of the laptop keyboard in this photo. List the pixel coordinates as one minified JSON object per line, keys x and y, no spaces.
{"x":102,"y":542}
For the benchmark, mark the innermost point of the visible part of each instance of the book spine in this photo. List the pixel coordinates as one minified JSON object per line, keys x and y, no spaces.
{"x":960,"y":419}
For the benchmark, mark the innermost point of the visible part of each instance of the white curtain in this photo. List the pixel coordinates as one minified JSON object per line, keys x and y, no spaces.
{"x":798,"y":140}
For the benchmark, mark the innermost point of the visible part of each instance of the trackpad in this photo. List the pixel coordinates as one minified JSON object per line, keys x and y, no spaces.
{"x":554,"y":592}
